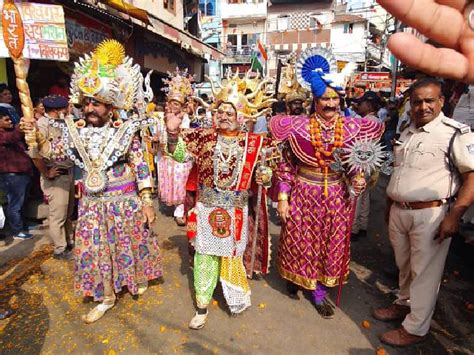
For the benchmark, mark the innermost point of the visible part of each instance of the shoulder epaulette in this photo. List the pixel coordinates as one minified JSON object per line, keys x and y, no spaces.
{"x":461,"y":127}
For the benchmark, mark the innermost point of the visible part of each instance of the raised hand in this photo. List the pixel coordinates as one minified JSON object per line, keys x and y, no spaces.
{"x":173,"y":121}
{"x":442,"y":21}
{"x":27,"y":126}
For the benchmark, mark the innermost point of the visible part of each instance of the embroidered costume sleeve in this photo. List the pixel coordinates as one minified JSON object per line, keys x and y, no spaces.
{"x":139,"y":165}
{"x":286,"y":171}
{"x":195,"y":139}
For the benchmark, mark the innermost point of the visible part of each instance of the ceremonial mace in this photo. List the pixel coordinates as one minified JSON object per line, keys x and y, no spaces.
{"x":257,"y":214}
{"x":14,"y":38}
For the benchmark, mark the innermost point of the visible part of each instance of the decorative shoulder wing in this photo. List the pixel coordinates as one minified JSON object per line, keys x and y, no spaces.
{"x":281,"y":126}
{"x":371,"y":129}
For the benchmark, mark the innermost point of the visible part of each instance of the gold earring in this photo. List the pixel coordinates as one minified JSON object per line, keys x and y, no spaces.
{"x":80,"y":123}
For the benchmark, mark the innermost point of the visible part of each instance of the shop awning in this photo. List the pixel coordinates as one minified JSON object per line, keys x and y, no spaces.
{"x":128,"y":9}
{"x":184,"y":39}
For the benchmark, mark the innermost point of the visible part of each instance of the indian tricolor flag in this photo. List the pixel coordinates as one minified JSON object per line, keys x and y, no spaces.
{"x":258,"y":57}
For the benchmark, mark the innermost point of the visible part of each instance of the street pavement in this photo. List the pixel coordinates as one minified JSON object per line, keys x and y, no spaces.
{"x":47,"y":318}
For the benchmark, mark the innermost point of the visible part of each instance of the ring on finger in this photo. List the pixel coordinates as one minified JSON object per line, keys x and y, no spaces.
{"x":469,"y":15}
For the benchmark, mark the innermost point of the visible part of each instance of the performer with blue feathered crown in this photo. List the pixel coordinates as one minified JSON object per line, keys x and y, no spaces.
{"x":314,"y":183}
{"x":114,"y":243}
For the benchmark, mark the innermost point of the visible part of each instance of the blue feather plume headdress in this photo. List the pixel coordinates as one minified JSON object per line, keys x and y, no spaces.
{"x":316,"y":69}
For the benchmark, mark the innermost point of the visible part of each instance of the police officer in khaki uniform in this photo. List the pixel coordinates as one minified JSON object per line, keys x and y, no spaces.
{"x":57,"y":181}
{"x":430,"y":189}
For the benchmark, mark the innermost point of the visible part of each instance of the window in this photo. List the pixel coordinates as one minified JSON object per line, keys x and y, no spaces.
{"x":232,"y":40}
{"x":169,"y":5}
{"x":207,"y":7}
{"x":314,"y":22}
{"x":244,"y":40}
{"x":283,"y":22}
{"x":348,"y":27}
{"x":253,"y":38}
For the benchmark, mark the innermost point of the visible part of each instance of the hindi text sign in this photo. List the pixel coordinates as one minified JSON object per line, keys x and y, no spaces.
{"x":13,"y":33}
{"x":40,"y":27}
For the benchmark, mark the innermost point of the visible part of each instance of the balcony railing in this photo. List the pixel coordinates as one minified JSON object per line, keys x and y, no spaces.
{"x":238,"y":54}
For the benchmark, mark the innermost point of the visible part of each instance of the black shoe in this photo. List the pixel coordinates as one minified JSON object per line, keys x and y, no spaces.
{"x":325,"y":309}
{"x":65,"y":255}
{"x":292,"y":290}
{"x":180,"y":221}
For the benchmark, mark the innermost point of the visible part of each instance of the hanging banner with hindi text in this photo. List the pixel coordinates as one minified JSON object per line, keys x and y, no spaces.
{"x":43,"y":35}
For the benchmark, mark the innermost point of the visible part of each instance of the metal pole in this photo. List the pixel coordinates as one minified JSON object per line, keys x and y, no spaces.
{"x":394,"y":68}
{"x":367,"y":34}
{"x":278,"y":76}
{"x":257,"y":214}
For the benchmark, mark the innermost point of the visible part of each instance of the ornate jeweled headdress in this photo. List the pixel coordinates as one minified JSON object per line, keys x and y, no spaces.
{"x":289,"y":88}
{"x":316,"y":70}
{"x":178,"y":85}
{"x":110,"y":77}
{"x":248,"y":95}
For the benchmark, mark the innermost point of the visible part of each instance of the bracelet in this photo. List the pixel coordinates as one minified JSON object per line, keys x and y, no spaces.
{"x":282,"y":196}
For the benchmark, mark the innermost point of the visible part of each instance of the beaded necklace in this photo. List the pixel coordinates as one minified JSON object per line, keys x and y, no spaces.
{"x":334,"y":135}
{"x":226,"y":146}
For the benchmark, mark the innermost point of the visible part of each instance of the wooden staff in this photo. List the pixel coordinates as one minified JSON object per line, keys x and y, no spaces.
{"x":257,"y":214}
{"x":25,"y":99}
{"x":14,"y":38}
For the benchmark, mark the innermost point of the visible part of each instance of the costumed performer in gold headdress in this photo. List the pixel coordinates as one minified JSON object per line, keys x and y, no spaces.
{"x":172,"y":175}
{"x":114,"y":243}
{"x":226,"y":158}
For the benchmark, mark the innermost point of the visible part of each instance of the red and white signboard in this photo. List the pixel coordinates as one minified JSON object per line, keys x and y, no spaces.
{"x":40,"y":27}
{"x":374,"y":76}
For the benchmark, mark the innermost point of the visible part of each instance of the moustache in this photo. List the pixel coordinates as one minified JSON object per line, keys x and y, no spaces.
{"x":329,"y":109}
{"x":91,"y":113}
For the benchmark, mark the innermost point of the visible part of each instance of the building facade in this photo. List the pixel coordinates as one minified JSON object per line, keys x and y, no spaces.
{"x":243,"y":25}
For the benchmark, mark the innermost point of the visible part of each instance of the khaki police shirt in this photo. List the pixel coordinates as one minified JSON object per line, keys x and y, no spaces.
{"x":53,"y":134}
{"x":421,"y":171}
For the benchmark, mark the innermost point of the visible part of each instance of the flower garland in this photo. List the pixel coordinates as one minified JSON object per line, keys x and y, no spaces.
{"x":319,"y":142}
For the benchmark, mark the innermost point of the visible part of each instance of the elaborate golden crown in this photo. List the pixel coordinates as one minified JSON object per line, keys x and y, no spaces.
{"x":248,"y":95}
{"x":289,"y":88}
{"x":110,"y":77}
{"x":179,"y":85}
